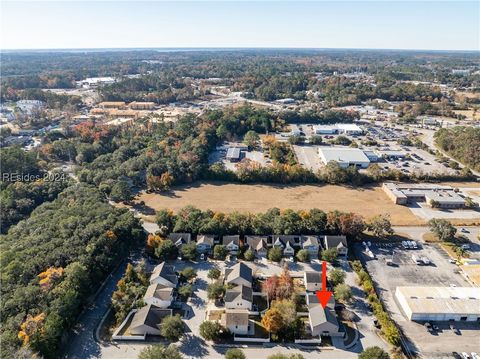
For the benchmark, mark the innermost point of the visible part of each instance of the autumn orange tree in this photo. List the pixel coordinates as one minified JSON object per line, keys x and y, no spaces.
{"x":31,"y":326}
{"x":49,"y":277}
{"x":272,"y":321}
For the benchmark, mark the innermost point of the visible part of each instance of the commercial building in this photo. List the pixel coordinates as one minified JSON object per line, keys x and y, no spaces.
{"x":141,"y":105}
{"x":391,"y":154}
{"x":434,"y":195}
{"x":349,"y":129}
{"x":439,"y":303}
{"x":344,"y":128}
{"x":344,"y":156}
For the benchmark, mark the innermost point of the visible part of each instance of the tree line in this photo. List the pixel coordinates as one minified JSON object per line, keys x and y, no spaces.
{"x":53,"y":261}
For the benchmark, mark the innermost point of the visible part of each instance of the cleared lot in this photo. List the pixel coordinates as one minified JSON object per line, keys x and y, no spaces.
{"x":227,"y":197}
{"x":406,"y":273}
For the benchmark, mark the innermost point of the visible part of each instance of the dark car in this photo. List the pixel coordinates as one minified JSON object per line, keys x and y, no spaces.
{"x":456,"y":355}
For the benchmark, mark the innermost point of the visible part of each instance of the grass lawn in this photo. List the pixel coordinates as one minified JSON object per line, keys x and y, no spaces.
{"x":227,"y":197}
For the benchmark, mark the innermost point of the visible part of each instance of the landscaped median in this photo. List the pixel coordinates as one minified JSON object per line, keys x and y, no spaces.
{"x":388,"y":328}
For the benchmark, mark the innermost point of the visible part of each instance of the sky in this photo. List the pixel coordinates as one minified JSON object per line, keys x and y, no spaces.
{"x":428,"y":25}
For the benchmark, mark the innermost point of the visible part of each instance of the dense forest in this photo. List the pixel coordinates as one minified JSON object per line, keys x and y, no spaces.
{"x":262,"y":74}
{"x":462,"y":143}
{"x":50,"y":260}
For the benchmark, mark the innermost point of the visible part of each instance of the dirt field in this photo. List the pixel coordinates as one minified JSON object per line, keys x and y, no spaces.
{"x":224,"y":197}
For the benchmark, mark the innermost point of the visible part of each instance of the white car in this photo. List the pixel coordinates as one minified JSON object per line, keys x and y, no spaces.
{"x":475,"y":355}
{"x":452,"y":261}
{"x":465,"y":355}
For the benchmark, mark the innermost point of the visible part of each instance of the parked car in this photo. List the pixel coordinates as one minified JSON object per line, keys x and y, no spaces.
{"x":475,"y":355}
{"x":465,"y":355}
{"x":456,"y":355}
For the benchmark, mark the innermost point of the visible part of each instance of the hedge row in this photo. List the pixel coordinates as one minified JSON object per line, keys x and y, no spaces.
{"x":388,"y":327}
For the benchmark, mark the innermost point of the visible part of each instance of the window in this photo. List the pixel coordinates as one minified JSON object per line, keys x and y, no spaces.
{"x":464,"y":319}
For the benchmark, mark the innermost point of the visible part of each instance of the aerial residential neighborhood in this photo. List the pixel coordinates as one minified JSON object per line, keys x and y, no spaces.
{"x":240,"y":179}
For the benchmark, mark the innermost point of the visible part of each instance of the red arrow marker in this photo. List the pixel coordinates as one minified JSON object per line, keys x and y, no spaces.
{"x":324,"y":295}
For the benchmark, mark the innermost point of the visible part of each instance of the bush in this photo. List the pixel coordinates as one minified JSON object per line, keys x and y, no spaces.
{"x":303,"y":255}
{"x":234,"y":353}
{"x":172,"y":327}
{"x":214,"y":273}
{"x":357,"y":265}
{"x":343,"y":293}
{"x":249,"y":255}
{"x":160,"y":351}
{"x":329,"y":255}
{"x":210,"y":330}
{"x":336,"y":276}
{"x":220,"y":252}
{"x":275,"y":254}
{"x":188,"y":273}
{"x":374,"y":353}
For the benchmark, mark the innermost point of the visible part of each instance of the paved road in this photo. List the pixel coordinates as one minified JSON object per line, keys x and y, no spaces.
{"x":81,"y":342}
{"x":430,"y":142}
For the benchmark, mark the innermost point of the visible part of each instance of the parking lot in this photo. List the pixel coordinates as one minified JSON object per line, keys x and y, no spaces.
{"x":405,"y":272}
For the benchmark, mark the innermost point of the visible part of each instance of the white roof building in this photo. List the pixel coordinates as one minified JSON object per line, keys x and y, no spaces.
{"x":439,"y":303}
{"x":349,"y":128}
{"x":344,"y":156}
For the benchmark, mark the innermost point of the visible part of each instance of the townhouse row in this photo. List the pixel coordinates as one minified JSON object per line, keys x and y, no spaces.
{"x":261,"y":244}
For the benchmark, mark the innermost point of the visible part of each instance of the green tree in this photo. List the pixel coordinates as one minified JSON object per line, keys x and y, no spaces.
{"x":234,"y":353}
{"x":166,"y":250}
{"x":442,"y":229}
{"x":296,"y":140}
{"x":215,"y":290}
{"x":343,"y":293}
{"x":249,"y":255}
{"x":210,"y":330}
{"x":172,"y":327}
{"x":316,"y":140}
{"x":336,"y":276}
{"x":380,"y":225}
{"x":220,"y":252}
{"x":333,"y":173}
{"x":185,"y":291}
{"x":160,"y":351}
{"x":303,"y":255}
{"x":251,"y":139}
{"x":329,"y":255}
{"x":189,"y":251}
{"x":275,"y":254}
{"x":188,"y":273}
{"x":121,"y":192}
{"x":165,"y":218}
{"x":214,"y":273}
{"x":374,"y":353}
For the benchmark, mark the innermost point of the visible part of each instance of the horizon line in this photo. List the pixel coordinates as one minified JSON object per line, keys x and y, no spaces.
{"x":61,"y":49}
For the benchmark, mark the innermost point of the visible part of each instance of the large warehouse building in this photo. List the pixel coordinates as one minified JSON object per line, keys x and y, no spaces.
{"x":344,"y":156}
{"x":439,"y":303}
